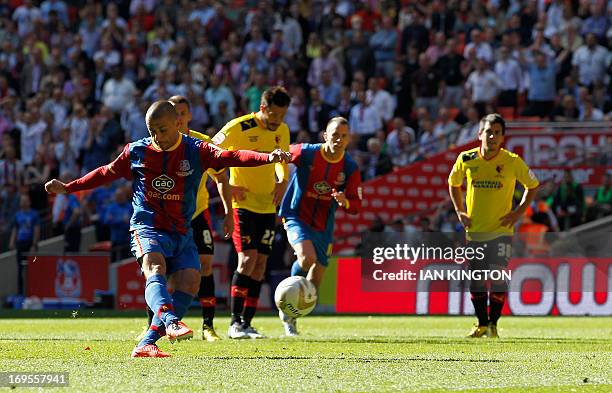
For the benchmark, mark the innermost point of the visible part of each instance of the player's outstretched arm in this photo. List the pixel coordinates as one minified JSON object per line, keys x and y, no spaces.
{"x":55,"y":186}
{"x":99,"y":176}
{"x":218,"y":158}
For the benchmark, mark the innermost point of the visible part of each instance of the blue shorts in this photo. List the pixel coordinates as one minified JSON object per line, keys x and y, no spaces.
{"x":179,"y":250}
{"x":297,"y":232}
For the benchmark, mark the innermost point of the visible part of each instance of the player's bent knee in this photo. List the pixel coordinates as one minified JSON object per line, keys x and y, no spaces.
{"x":153,"y":263}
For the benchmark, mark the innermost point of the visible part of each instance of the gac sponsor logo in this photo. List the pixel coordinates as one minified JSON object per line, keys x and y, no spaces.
{"x":322,"y":187}
{"x":165,"y":197}
{"x":163,"y":183}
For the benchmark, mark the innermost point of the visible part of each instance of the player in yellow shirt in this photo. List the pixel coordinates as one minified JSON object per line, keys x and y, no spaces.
{"x":256,"y":194}
{"x":491,"y":174}
{"x":202,"y":226}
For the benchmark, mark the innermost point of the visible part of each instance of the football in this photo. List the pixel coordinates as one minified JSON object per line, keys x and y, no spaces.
{"x":295,"y":296}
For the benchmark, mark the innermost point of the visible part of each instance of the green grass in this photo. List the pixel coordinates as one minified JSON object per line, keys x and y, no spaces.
{"x":334,"y":353}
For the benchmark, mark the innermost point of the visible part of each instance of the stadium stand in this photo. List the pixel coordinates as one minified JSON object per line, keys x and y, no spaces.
{"x":76,"y":77}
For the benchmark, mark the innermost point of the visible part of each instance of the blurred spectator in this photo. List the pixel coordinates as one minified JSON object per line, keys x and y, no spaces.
{"x":117,"y":216}
{"x":57,"y":106}
{"x":66,"y":154}
{"x":401,"y":88}
{"x":400,"y":143}
{"x":319,"y":112}
{"x":469,"y":131}
{"x":568,"y":202}
{"x":603,"y":198}
{"x":252,"y":95}
{"x":542,"y":91}
{"x":437,"y":49}
{"x":364,"y":120}
{"x":329,"y":89}
{"x":428,"y":142}
{"x":451,"y":67}
{"x":25,"y":234}
{"x":427,"y":86}
{"x":591,"y":61}
{"x":444,"y":126}
{"x":31,"y":128}
{"x":107,"y":53}
{"x":133,"y":122}
{"x":26,"y":15}
{"x":380,"y":98}
{"x":481,"y":48}
{"x":11,"y":171}
{"x":383,"y":42}
{"x":596,"y":24}
{"x":358,"y":55}
{"x":97,"y":147}
{"x":482,"y":86}
{"x":222,"y":117}
{"x":415,"y":34}
{"x":297,"y":111}
{"x":219,"y":92}
{"x":33,"y":72}
{"x":570,"y":38}
{"x":118,"y":91}
{"x":66,"y":217}
{"x":443,"y":18}
{"x":567,"y":110}
{"x":588,"y":112}
{"x":78,"y":123}
{"x":377,"y":163}
{"x":509,"y":73}
{"x":322,"y":63}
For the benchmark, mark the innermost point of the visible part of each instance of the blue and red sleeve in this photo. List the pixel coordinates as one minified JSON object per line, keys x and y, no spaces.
{"x":120,"y":167}
{"x":353,"y":192}
{"x":296,"y":154}
{"x":217,"y":158}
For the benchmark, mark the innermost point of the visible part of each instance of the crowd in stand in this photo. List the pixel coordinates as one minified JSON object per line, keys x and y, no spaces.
{"x":412,"y":77}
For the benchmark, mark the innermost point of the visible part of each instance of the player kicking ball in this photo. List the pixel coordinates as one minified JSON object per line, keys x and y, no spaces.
{"x":202,"y":226}
{"x":491,"y":174}
{"x":326,"y":178}
{"x":166,"y":169}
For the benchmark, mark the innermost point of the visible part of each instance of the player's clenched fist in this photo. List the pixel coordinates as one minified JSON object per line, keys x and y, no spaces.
{"x":55,"y":187}
{"x":277,"y":155}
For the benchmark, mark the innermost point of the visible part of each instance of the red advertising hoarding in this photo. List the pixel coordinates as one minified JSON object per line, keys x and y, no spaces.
{"x":539,"y":286}
{"x":67,"y":276}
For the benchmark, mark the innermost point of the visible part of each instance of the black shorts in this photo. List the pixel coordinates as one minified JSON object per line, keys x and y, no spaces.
{"x":253,"y":231}
{"x":497,"y":253}
{"x":202,"y":233}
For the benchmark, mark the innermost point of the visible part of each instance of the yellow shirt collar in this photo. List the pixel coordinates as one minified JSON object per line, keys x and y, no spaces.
{"x":178,"y":142}
{"x":329,"y":159}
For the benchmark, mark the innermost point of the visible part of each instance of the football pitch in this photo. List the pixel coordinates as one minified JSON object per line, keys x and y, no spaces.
{"x":334,"y":353}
